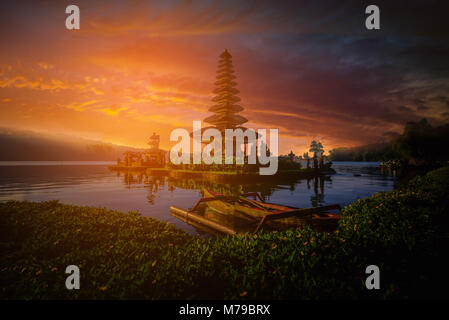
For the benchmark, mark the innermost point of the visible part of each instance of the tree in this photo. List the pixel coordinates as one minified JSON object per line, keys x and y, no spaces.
{"x":306,"y":157}
{"x":317,"y":149}
{"x":321,"y":154}
{"x":418,"y":143}
{"x":313,"y":149}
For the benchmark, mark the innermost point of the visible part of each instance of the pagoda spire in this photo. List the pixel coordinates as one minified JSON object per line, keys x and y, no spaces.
{"x":225,"y":99}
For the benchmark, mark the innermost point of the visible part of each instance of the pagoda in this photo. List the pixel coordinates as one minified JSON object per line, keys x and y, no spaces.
{"x":225,"y":99}
{"x":154,"y":141}
{"x":154,"y":157}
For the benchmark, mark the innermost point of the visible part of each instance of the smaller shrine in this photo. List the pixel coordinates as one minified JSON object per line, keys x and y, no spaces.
{"x":152,"y":157}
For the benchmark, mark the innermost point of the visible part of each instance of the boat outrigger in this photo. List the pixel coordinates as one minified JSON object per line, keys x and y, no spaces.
{"x":253,"y":213}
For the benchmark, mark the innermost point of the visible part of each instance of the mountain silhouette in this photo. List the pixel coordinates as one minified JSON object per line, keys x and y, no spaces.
{"x":16,"y":145}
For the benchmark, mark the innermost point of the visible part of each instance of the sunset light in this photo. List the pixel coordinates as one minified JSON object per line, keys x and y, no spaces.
{"x":232,"y":157}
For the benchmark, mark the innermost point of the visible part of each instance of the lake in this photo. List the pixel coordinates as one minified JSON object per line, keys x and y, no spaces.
{"x":93,"y":184}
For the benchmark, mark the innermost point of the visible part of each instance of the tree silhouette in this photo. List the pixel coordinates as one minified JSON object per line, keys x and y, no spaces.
{"x":321,"y":154}
{"x":314,"y":148}
{"x":306,"y":157}
{"x":421,"y":143}
{"x":318,"y":151}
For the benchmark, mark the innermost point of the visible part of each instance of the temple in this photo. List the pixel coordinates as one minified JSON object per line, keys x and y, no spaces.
{"x":225,"y":109}
{"x":225,"y":116}
{"x":152,"y":157}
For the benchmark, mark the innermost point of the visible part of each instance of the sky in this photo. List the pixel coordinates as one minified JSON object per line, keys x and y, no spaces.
{"x":308,"y":68}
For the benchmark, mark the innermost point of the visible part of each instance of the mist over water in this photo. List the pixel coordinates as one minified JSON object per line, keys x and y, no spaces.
{"x":93,"y":184}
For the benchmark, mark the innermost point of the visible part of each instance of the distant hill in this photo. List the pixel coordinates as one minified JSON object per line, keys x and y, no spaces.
{"x":370,"y":152}
{"x":33,"y":146}
{"x":419,"y":144}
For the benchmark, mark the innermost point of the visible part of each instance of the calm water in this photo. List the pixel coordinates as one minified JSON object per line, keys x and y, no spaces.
{"x":93,"y":184}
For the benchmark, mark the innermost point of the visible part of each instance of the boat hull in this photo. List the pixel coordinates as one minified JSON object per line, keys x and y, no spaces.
{"x":256,"y":210}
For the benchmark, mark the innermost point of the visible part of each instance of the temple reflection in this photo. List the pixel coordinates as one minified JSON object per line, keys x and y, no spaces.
{"x":155,"y":182}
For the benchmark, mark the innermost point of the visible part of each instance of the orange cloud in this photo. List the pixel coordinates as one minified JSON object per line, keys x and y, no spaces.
{"x":45,"y":65}
{"x":113,"y":111}
{"x":150,"y":66}
{"x":81,"y":106}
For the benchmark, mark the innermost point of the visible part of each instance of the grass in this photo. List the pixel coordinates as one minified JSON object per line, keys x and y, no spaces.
{"x":126,"y":256}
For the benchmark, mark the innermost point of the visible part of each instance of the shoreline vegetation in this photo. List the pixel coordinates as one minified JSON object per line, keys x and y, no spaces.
{"x":125,"y":256}
{"x":419,"y":145}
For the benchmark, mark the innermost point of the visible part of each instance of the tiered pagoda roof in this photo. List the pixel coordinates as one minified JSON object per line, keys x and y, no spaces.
{"x":225,"y":107}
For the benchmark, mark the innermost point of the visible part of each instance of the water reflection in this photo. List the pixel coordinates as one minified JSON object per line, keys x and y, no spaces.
{"x":153,"y":183}
{"x":152,"y":195}
{"x":317,"y":199}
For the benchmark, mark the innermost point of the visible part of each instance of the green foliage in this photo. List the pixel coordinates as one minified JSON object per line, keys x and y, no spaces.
{"x":316,"y":148}
{"x":285,"y":163}
{"x":422,"y":143}
{"x":404,"y":232}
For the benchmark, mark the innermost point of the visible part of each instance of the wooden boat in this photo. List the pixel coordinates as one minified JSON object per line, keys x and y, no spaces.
{"x":262,"y":214}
